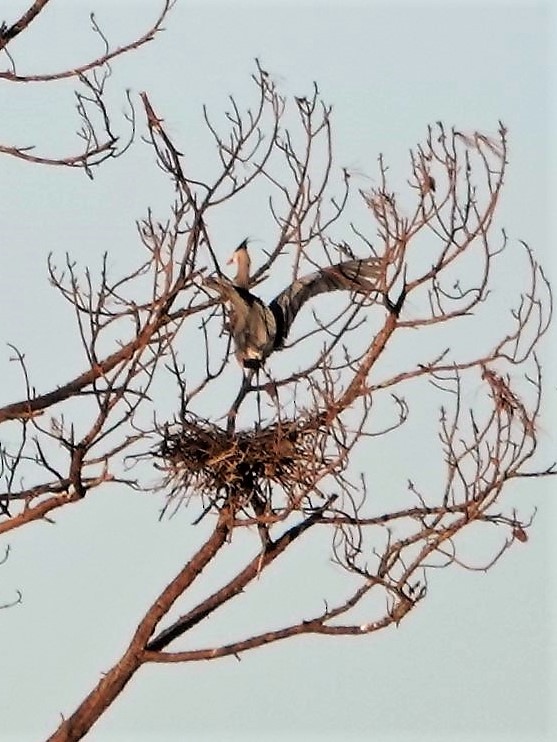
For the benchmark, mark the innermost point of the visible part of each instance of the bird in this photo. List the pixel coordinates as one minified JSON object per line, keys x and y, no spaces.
{"x":258,"y":329}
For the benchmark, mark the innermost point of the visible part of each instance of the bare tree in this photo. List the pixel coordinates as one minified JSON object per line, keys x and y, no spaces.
{"x":97,"y":132}
{"x":277,"y":460}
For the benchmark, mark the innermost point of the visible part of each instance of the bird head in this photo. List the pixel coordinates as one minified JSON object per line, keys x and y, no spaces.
{"x":239,"y":253}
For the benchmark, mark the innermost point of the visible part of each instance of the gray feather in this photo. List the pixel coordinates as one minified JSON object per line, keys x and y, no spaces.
{"x":258,"y":329}
{"x":357,"y":276}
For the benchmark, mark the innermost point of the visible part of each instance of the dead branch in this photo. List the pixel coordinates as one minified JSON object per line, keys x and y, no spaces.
{"x":100,"y":142}
{"x":271,"y":451}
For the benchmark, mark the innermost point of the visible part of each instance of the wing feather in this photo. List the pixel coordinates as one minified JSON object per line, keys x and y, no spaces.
{"x":357,"y":276}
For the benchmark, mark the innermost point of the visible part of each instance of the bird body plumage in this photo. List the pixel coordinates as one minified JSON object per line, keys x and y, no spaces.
{"x":257,"y":328}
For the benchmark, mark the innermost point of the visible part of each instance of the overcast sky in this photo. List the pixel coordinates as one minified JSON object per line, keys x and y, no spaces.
{"x":477,"y":658}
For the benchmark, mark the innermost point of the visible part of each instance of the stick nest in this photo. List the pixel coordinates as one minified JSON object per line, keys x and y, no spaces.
{"x":202,"y":458}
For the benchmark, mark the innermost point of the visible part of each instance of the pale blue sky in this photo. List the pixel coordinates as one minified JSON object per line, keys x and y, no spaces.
{"x":477,"y":658}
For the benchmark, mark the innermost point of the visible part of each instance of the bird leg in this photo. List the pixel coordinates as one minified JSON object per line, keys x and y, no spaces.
{"x":258,"y":397}
{"x":233,"y":411}
{"x":270,"y":387}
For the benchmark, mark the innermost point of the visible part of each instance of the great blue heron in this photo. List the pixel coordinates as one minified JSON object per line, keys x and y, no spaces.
{"x":259,"y":329}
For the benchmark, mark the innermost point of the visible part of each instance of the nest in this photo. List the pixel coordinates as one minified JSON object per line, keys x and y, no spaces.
{"x":203,"y":459}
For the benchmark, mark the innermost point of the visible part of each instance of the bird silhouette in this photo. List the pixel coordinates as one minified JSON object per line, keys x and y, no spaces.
{"x":258,"y":329}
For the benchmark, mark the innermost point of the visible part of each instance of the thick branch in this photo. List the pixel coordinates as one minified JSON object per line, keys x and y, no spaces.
{"x":236,"y":585}
{"x":21,"y":24}
{"x":115,"y":680}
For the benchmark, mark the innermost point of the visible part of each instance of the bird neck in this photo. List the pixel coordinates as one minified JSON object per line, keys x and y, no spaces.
{"x":242,"y":274}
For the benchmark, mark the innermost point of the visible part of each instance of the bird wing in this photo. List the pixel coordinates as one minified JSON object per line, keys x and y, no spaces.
{"x":358,"y":276}
{"x":251,"y":322}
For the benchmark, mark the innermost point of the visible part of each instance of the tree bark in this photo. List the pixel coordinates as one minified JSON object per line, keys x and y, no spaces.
{"x":114,"y":681}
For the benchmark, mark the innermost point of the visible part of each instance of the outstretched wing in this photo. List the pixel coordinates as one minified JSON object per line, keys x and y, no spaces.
{"x":358,"y":276}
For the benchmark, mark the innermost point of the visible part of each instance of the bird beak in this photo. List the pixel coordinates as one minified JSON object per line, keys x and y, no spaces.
{"x":232,"y":259}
